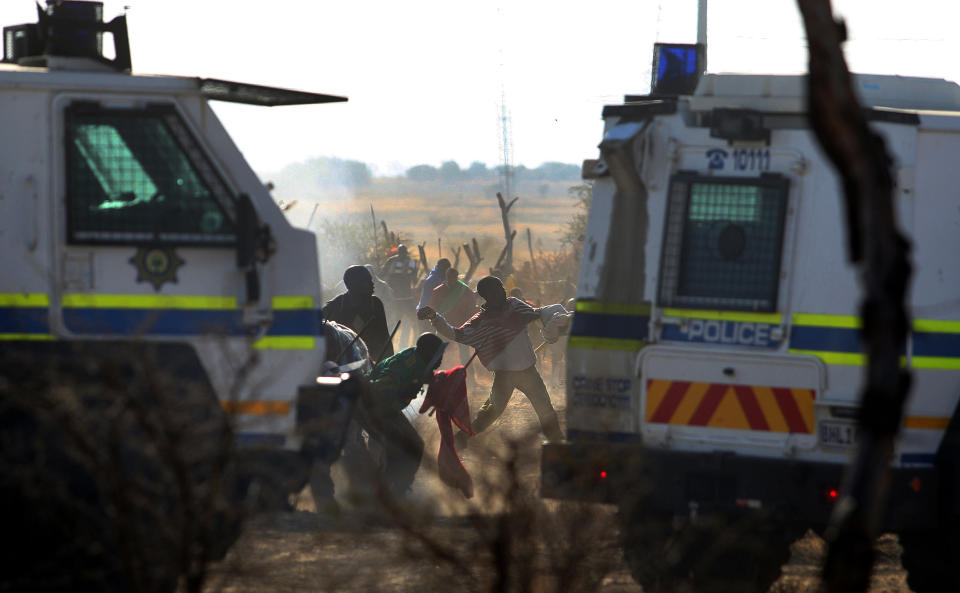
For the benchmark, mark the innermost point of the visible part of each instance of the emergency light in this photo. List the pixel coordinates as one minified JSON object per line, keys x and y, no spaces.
{"x":67,"y":28}
{"x":676,"y":68}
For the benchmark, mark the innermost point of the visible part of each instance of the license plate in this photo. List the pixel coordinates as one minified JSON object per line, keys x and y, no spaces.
{"x":835,"y":433}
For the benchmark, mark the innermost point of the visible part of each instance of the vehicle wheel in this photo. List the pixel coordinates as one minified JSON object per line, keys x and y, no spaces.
{"x":654,"y":551}
{"x":737,"y":556}
{"x":930,"y":558}
{"x":717,"y":554}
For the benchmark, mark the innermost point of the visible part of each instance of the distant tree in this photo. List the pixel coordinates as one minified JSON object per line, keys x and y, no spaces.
{"x":450,"y":171}
{"x":357,"y":173}
{"x":553,"y":171}
{"x":477,"y":170}
{"x":422,"y":173}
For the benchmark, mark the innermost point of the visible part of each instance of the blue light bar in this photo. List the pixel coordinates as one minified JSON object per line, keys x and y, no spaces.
{"x":676,"y":68}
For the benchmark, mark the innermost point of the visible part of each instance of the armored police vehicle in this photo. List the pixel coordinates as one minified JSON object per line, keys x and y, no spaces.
{"x":160,"y":326}
{"x":714,"y":362}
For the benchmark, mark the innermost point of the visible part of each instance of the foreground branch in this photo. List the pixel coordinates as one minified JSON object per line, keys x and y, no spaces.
{"x":877,"y":245}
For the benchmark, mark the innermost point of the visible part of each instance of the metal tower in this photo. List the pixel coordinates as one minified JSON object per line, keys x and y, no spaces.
{"x":506,"y":150}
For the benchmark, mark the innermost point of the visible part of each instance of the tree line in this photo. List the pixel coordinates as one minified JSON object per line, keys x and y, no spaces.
{"x":336,"y":172}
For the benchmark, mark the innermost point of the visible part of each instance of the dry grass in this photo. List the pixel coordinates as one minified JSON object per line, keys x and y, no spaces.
{"x":423,"y":212}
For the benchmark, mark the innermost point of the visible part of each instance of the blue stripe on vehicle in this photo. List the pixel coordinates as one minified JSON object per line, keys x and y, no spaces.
{"x":936,"y":344}
{"x":178,"y":322}
{"x":24,"y":320}
{"x":833,"y":339}
{"x":605,"y":325}
{"x":301,"y":322}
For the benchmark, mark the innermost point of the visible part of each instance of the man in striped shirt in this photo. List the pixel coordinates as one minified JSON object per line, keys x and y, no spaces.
{"x":498,"y":333}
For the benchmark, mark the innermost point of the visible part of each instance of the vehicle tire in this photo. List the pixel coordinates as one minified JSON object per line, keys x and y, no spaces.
{"x":653,"y":550}
{"x":737,"y":555}
{"x":930,"y":558}
{"x":717,"y":554}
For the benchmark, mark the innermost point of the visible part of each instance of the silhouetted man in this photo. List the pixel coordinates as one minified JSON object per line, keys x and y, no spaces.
{"x":362,"y":312}
{"x":457,"y":303}
{"x":436,"y":277}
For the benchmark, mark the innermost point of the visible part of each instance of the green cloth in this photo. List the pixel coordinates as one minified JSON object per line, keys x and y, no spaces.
{"x":397,"y":379}
{"x":450,"y":301}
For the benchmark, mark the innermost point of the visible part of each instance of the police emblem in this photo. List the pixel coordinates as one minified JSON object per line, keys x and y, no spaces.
{"x":156,"y":265}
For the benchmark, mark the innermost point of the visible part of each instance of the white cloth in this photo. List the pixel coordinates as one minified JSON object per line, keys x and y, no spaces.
{"x":557,"y":324}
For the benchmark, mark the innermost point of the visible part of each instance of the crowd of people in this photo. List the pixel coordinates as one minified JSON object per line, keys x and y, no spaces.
{"x":492,"y":323}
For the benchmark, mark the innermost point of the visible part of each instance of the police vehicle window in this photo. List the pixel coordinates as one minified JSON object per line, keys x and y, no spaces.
{"x":137,"y":175}
{"x":722,"y":242}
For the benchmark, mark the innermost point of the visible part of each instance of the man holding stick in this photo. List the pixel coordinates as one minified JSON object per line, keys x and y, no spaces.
{"x":362,"y":312}
{"x":498,"y":333}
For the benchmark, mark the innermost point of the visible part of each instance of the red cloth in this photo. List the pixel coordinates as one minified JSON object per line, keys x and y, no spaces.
{"x":447,"y":395}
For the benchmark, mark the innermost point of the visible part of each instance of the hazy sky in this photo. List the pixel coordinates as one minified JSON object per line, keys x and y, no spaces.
{"x":425,"y":77}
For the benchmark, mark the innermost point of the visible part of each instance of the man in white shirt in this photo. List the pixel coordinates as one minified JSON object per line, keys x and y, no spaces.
{"x":498,"y":333}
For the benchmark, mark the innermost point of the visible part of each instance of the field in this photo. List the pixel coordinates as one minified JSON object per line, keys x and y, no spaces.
{"x":422,"y":213}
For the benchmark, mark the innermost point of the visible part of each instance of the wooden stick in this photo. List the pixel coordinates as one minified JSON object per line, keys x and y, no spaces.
{"x":389,"y":341}
{"x":472,"y":356}
{"x":376,"y":243}
{"x":352,"y":342}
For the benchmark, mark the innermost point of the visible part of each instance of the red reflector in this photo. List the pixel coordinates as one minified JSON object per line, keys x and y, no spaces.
{"x":832,"y":494}
{"x":603,"y":475}
{"x":916,"y":484}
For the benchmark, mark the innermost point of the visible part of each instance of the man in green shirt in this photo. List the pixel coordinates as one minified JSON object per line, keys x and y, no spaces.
{"x":393,"y":383}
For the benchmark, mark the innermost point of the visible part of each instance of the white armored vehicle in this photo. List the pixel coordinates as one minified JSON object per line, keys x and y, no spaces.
{"x":714,"y":362}
{"x":159,"y":317}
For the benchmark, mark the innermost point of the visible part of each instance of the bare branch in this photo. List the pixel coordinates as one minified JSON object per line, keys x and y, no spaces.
{"x":876,"y":243}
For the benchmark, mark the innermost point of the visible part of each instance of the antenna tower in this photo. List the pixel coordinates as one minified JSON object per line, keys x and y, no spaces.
{"x":506,"y":150}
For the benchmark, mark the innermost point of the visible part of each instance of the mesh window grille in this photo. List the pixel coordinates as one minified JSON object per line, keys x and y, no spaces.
{"x":722,"y":242}
{"x":139,"y":176}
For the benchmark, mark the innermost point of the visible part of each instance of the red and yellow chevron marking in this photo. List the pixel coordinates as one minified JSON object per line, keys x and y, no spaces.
{"x":744,"y":407}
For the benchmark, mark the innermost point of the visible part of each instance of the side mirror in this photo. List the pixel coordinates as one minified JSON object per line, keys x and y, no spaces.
{"x":254,"y":244}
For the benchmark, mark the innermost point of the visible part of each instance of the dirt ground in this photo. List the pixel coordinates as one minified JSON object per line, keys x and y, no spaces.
{"x":443,"y":542}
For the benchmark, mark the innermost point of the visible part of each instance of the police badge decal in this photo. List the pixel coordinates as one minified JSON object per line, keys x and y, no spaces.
{"x":156,"y":265}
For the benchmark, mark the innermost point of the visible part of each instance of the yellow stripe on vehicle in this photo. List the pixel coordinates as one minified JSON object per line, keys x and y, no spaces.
{"x":257,"y":408}
{"x":773,"y":413}
{"x":24,"y":299}
{"x":819,"y":320}
{"x":926,"y":422}
{"x":690,"y":402}
{"x":33,"y":337}
{"x":771,"y":318}
{"x":722,"y":405}
{"x":148,"y":301}
{"x":286,"y":303}
{"x":593,"y":343}
{"x":285,"y":343}
{"x":937,"y":326}
{"x":935,"y":362}
{"x":613,"y":308}
{"x":843,"y":358}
